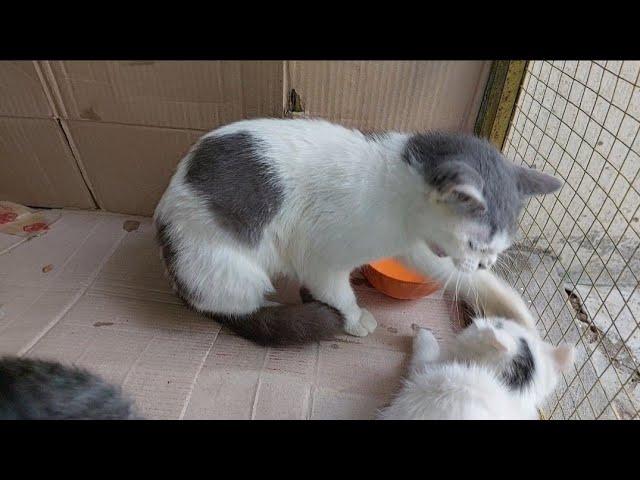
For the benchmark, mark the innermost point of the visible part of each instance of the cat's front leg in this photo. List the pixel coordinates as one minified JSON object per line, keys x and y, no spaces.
{"x":483,"y":290}
{"x":334,"y":289}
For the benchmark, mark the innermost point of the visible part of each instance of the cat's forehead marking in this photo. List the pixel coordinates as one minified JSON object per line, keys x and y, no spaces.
{"x":431,"y":151}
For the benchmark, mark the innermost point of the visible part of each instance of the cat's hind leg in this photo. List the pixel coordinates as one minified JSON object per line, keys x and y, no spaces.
{"x":483,"y":290}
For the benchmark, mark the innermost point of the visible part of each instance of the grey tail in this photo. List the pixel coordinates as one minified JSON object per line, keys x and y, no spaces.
{"x":284,"y":325}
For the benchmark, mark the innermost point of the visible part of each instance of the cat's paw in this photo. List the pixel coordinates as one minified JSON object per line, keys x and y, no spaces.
{"x":365,"y":325}
{"x":368,"y":321}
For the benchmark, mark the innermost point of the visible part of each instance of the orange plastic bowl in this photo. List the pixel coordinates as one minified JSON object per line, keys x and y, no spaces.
{"x":397,"y":281}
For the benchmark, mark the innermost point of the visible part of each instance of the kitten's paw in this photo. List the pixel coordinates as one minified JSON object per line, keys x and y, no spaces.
{"x":425,"y":347}
{"x":425,"y":336}
{"x":365,"y":325}
{"x":425,"y":339}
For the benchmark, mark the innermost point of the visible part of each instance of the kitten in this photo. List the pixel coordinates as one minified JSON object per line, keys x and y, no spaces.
{"x":41,"y":390}
{"x":311,"y":200}
{"x":495,"y":369}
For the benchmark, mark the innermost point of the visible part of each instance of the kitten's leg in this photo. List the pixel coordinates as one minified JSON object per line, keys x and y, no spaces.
{"x":485,"y":292}
{"x":335,"y":290}
{"x":425,"y":350}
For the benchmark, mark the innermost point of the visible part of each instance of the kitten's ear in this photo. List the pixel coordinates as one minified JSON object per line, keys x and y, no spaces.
{"x":563,"y":356}
{"x":459,"y":185}
{"x":534,"y":182}
{"x":500,"y":340}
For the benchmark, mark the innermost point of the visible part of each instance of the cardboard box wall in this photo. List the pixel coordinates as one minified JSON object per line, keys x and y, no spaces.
{"x":123,"y":126}
{"x":37,"y":166}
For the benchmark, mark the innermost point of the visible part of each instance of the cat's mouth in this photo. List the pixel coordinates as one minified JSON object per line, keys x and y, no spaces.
{"x":465,"y":266}
{"x":437,"y":250}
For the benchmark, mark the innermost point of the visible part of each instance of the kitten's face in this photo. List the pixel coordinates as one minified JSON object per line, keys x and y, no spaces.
{"x":474,"y":197}
{"x":524,"y":361}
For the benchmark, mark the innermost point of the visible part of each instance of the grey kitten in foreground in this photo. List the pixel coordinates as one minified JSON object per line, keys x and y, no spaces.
{"x":42,"y":390}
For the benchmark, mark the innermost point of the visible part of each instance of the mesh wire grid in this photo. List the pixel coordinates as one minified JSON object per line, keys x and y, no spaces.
{"x":577,"y":259}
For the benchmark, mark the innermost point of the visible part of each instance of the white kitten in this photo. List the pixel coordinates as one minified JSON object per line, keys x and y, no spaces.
{"x":495,"y":369}
{"x":311,"y":200}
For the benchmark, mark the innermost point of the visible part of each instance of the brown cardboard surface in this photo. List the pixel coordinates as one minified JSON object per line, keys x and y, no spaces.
{"x":129,"y":166}
{"x":130,"y":122}
{"x":105,"y":305}
{"x":180,"y":94}
{"x":22,"y":93}
{"x":37,"y":167}
{"x":400,"y":95}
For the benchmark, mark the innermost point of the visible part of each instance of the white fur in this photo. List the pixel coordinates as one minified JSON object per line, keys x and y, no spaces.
{"x":347,"y":201}
{"x":464,"y":383}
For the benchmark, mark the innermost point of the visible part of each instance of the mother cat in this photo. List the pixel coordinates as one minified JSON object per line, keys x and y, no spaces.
{"x":258,"y":199}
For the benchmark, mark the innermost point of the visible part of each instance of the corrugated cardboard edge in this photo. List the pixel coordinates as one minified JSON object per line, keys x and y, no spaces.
{"x":76,"y":155}
{"x":52,"y":91}
{"x":40,"y":68}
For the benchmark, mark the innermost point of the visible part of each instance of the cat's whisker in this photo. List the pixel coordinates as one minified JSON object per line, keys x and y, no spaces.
{"x":448,"y":280}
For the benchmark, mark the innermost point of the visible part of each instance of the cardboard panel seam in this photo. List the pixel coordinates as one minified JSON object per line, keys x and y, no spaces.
{"x":51,"y":88}
{"x":76,"y":156}
{"x":47,"y":91}
{"x":44,"y":170}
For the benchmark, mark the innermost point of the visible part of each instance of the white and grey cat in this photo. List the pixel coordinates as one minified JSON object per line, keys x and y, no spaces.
{"x":494,"y":370}
{"x":311,"y":200}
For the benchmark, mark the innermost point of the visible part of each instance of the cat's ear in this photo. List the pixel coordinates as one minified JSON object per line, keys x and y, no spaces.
{"x":534,"y":182}
{"x":460,"y":186}
{"x":563,"y":356}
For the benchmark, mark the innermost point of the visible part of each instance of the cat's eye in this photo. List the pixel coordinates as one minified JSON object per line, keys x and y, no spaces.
{"x":471,"y":245}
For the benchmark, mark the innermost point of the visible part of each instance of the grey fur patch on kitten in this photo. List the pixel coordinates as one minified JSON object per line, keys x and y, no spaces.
{"x":231,"y":174}
{"x":519,"y":373}
{"x":446,"y":159}
{"x":43,"y":390}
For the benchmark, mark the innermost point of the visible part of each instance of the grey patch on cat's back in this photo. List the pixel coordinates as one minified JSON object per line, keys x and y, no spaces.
{"x":233,"y":176}
{"x":519,"y":372}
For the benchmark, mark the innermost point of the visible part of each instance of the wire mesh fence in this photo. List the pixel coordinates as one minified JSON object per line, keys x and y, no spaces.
{"x":577,"y":261}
